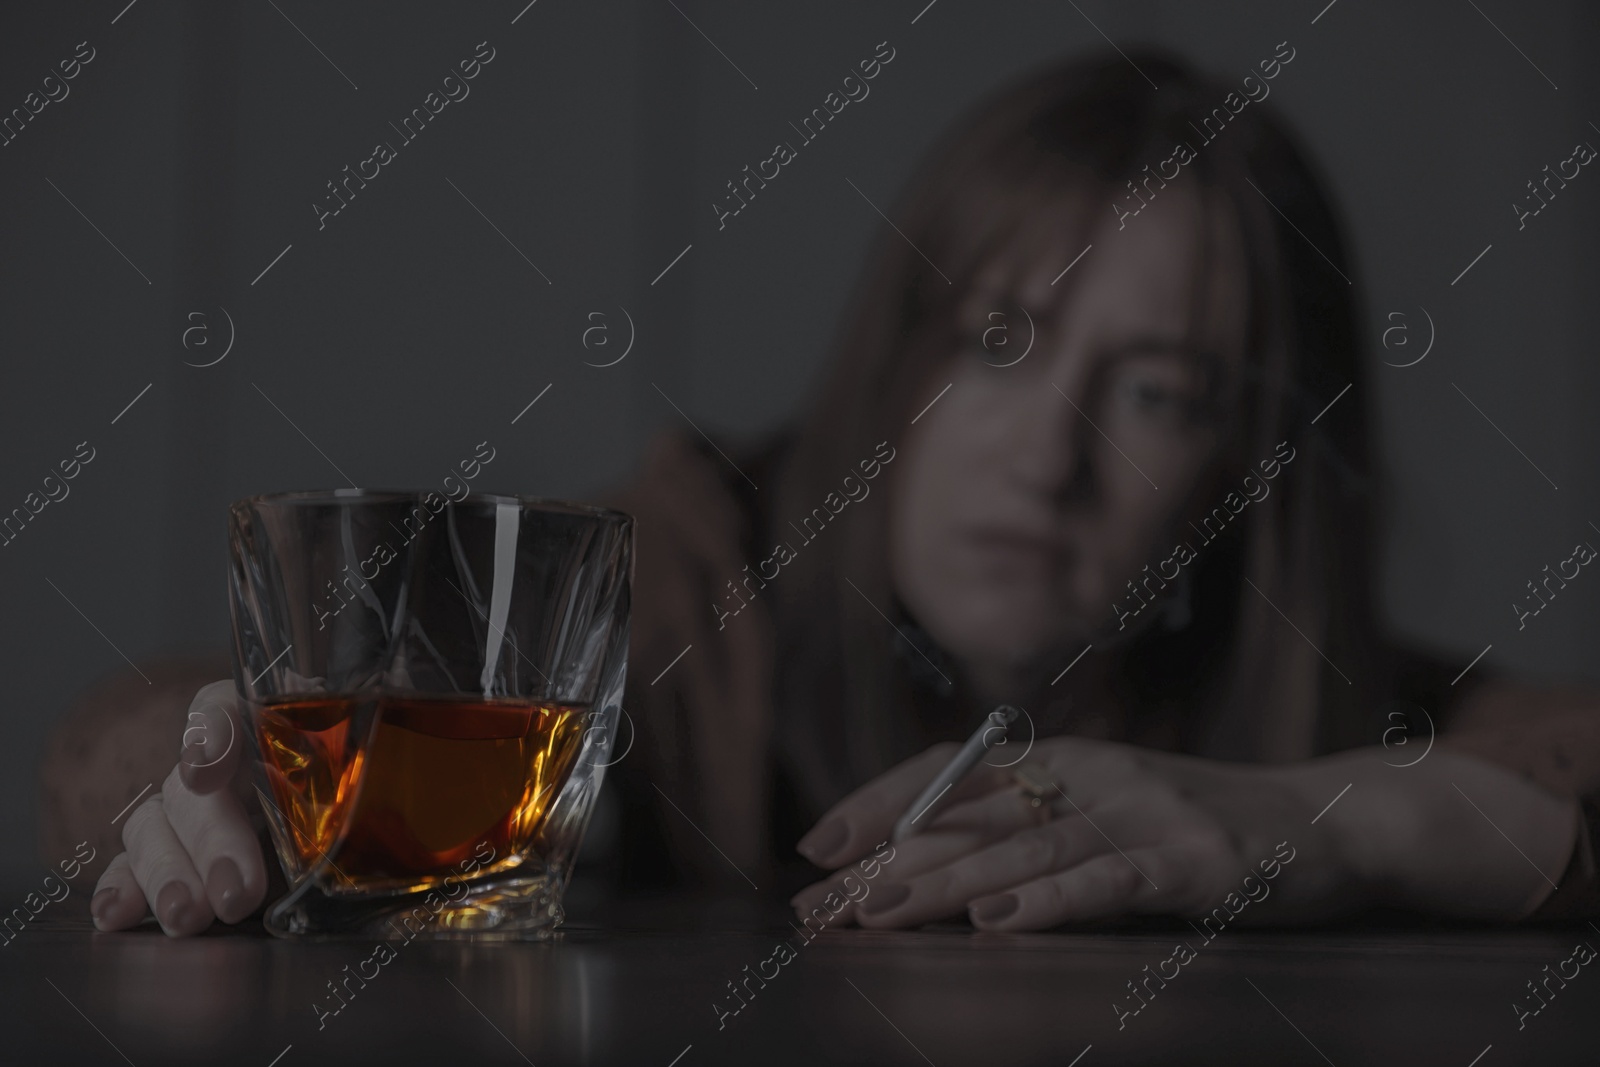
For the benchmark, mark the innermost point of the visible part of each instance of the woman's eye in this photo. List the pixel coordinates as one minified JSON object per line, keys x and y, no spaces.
{"x":1152,"y":395}
{"x":1157,"y":391}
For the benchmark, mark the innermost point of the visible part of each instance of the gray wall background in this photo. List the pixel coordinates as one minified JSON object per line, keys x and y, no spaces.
{"x":408,"y":329}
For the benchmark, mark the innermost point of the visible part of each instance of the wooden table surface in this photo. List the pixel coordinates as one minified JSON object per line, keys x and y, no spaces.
{"x":639,"y":987}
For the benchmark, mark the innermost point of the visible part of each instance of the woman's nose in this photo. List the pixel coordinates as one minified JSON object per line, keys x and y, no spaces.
{"x":1047,"y":444}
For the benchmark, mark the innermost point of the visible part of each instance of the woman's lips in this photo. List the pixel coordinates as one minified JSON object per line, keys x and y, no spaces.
{"x":1015,"y":546}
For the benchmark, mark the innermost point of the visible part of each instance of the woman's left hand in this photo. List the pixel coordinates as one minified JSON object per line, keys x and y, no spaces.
{"x":1135,"y":831}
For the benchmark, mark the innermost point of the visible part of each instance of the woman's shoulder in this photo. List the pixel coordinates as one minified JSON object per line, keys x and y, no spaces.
{"x":698,"y":516}
{"x":700,"y":680}
{"x":700,"y":496}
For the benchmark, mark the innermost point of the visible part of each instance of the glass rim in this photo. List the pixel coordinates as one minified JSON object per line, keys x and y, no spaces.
{"x":326,"y":497}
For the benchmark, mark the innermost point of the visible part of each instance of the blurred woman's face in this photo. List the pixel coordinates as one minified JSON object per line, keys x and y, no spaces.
{"x":1031,"y":493}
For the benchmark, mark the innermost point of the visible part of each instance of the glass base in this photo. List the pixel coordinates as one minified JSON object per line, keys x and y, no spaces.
{"x":514,"y":908}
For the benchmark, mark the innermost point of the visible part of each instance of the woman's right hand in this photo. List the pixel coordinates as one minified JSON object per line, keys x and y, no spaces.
{"x":191,"y":852}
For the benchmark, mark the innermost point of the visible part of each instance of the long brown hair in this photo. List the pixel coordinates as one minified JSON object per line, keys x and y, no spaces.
{"x":1249,"y":686}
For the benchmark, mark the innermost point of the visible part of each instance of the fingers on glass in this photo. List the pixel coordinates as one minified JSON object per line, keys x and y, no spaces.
{"x":118,"y":902}
{"x":213,"y":739}
{"x":221,"y":845}
{"x":164,"y":872}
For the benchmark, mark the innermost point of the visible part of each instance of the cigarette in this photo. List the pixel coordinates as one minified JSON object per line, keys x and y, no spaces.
{"x":929,"y":802}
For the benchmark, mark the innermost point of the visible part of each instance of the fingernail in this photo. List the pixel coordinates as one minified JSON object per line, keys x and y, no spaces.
{"x":103,"y":901}
{"x":192,"y":755}
{"x":995,"y":908}
{"x":824,"y":841}
{"x":884,"y":898}
{"x":225,"y":887}
{"x":173,"y":906}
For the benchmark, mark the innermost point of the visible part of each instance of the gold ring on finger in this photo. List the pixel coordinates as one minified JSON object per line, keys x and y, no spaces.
{"x":1038,"y":787}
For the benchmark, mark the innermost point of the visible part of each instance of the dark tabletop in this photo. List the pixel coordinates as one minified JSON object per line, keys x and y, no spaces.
{"x":639,"y":987}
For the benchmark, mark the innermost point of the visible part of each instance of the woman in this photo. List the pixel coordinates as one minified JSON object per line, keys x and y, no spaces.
{"x":1085,"y":450}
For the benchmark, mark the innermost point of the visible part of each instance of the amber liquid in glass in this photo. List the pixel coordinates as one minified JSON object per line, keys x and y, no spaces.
{"x":400,"y":790}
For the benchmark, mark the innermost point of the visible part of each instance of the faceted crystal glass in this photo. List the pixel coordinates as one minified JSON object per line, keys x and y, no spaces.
{"x":432,"y":687}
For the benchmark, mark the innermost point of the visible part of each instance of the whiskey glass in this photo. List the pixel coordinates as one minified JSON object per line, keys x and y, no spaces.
{"x":431,"y":686}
